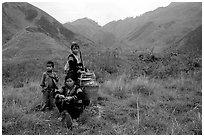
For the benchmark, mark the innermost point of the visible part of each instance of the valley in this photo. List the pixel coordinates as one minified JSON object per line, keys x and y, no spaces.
{"x":149,"y":69}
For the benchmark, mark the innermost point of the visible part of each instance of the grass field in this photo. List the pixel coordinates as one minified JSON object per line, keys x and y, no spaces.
{"x":125,"y":106}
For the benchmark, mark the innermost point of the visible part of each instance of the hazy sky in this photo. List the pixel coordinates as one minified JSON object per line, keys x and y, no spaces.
{"x":101,"y":11}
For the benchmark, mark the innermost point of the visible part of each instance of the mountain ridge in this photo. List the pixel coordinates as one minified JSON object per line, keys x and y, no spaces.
{"x":91,"y":30}
{"x":156,"y":29}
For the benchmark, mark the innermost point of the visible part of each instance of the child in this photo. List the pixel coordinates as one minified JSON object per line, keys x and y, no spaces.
{"x":49,"y":84}
{"x":71,"y":98}
{"x":74,"y":64}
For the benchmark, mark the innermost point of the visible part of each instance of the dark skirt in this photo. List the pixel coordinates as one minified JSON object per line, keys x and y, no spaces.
{"x":73,"y":109}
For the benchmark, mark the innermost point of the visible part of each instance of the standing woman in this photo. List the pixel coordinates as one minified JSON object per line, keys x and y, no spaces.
{"x":74,"y":63}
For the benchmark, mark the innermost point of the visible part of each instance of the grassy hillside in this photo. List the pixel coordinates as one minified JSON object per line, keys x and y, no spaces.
{"x":154,"y":96}
{"x":25,"y":56}
{"x":20,"y":16}
{"x":125,"y":107}
{"x":192,"y":43}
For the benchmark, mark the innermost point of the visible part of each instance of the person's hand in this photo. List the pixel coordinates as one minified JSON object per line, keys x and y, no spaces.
{"x":83,"y":72}
{"x":68,"y":98}
{"x":65,"y":71}
{"x":43,"y":89}
{"x":80,"y":71}
{"x":61,"y":96}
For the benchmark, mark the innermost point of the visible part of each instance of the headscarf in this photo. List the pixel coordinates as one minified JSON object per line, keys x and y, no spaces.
{"x":69,"y":75}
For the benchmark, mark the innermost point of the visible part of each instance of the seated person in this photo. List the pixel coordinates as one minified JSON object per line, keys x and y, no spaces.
{"x":74,"y":63}
{"x":71,"y":98}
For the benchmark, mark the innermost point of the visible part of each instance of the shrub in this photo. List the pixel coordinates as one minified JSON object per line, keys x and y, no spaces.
{"x":67,"y":33}
{"x":142,"y":89}
{"x":31,"y":14}
{"x":47,"y":26}
{"x":117,"y":88}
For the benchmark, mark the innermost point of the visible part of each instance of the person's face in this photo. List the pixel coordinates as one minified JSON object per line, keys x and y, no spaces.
{"x":75,"y":50}
{"x":69,"y":82}
{"x":49,"y":67}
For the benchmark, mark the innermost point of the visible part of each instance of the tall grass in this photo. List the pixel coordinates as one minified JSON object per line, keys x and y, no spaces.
{"x":138,"y":106}
{"x":21,"y":115}
{"x":157,"y":107}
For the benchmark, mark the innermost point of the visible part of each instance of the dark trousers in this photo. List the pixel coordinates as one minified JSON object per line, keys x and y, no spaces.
{"x":48,"y":99}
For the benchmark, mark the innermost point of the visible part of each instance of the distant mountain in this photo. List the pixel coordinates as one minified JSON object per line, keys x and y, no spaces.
{"x":160,"y":28}
{"x":91,"y":30}
{"x":155,"y":30}
{"x":85,"y":26}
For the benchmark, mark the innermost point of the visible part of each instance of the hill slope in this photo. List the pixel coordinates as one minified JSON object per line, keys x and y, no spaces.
{"x":191,"y":43}
{"x":160,"y":28}
{"x":31,"y":35}
{"x":23,"y":16}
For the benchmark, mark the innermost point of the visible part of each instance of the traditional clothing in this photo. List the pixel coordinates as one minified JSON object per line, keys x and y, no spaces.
{"x":73,"y":65}
{"x":72,"y":99}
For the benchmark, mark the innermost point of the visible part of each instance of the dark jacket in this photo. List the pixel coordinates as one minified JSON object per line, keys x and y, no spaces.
{"x":72,"y":66}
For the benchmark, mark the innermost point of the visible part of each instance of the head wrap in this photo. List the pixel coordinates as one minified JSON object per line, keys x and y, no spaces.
{"x":69,"y":75}
{"x":74,"y":44}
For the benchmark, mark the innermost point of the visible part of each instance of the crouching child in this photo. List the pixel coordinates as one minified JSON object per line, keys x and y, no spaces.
{"x":71,"y":98}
